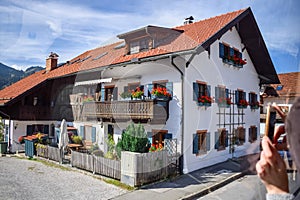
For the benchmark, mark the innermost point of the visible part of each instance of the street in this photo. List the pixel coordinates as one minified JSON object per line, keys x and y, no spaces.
{"x":28,"y":179}
{"x":247,"y":188}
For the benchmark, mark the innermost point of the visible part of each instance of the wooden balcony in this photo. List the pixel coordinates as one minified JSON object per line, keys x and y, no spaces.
{"x":136,"y":110}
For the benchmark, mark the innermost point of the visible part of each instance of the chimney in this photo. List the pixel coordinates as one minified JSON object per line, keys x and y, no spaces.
{"x":188,"y":20}
{"x":51,"y":62}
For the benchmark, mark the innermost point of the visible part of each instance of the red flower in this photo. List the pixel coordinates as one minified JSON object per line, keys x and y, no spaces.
{"x":205,"y":99}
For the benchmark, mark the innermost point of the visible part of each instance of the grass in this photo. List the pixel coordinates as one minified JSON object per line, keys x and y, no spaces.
{"x":118,"y":184}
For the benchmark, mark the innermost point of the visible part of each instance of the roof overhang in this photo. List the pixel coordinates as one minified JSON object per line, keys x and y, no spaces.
{"x":93,"y":82}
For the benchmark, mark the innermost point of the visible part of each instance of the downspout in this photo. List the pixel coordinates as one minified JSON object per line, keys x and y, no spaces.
{"x":182,"y":107}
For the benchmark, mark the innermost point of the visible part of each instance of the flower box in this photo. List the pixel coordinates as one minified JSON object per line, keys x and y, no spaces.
{"x":204,"y":104}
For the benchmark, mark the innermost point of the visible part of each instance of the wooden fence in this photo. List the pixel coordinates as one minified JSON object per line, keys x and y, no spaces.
{"x":46,"y":151}
{"x":95,"y":164}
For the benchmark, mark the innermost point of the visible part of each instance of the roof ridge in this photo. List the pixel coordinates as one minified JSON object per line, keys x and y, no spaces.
{"x":210,"y":18}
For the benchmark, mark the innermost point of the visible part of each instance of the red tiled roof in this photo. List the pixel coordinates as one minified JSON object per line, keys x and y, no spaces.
{"x":290,"y":83}
{"x":193,"y":35}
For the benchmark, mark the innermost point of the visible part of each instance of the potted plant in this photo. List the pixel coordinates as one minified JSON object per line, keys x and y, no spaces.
{"x":3,"y":144}
{"x":161,"y":93}
{"x":126,"y":95}
{"x":137,"y":93}
{"x":204,"y":100}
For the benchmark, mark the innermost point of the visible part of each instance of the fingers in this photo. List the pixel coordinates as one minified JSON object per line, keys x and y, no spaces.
{"x":279,"y":111}
{"x":278,"y":132}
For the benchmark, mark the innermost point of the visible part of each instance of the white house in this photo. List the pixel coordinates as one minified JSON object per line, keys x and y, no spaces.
{"x":211,"y":69}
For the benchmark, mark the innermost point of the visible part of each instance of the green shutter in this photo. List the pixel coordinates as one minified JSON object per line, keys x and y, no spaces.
{"x":150,"y":87}
{"x":208,"y":87}
{"x":93,"y":134}
{"x":102,"y":94}
{"x":231,"y":52}
{"x":227,"y":93}
{"x":115,"y":94}
{"x":149,"y":136}
{"x":195,"y":91}
{"x":29,"y":130}
{"x":244,"y":94}
{"x":168,"y":136}
{"x":217,"y":138}
{"x":250,"y":98}
{"x":81,"y":132}
{"x":207,"y":141}
{"x":169,"y":87}
{"x":240,"y":55}
{"x":195,"y":143}
{"x":221,"y":50}
{"x":237,"y":97}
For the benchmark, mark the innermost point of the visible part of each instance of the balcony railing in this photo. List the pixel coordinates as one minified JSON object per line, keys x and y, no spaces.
{"x":140,"y":110}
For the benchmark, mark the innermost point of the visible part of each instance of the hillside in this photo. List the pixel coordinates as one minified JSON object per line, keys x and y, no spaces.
{"x":9,"y":75}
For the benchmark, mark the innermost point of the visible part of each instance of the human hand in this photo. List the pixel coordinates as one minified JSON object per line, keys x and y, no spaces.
{"x":271,"y":169}
{"x":280,"y":130}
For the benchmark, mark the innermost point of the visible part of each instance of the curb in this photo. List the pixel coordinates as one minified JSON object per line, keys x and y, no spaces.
{"x":214,"y":187}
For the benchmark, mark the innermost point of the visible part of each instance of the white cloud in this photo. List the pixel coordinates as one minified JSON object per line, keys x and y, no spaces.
{"x":29,"y":30}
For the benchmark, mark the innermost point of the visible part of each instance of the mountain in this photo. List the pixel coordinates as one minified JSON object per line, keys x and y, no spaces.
{"x":9,"y":75}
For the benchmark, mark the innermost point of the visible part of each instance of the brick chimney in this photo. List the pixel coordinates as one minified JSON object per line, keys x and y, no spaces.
{"x":51,"y":62}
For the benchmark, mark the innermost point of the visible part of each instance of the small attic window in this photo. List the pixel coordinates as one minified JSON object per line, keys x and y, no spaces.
{"x":139,"y":45}
{"x":279,"y":87}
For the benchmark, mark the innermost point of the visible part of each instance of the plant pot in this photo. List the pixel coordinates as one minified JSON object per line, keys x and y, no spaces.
{"x":204,"y":104}
{"x":3,"y":147}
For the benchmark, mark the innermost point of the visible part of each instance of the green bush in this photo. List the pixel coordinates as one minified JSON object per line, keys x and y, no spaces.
{"x":133,"y":139}
{"x":77,"y":139}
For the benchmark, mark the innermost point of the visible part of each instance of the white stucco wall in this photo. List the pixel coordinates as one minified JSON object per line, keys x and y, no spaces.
{"x":214,"y":72}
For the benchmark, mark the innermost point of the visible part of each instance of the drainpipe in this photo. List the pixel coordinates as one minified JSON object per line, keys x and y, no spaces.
{"x":182,"y":107}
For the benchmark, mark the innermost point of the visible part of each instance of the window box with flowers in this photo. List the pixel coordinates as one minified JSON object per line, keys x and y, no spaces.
{"x":222,"y":97}
{"x":201,"y":94}
{"x":240,"y":99}
{"x":161,"y":93}
{"x":138,"y":93}
{"x":126,"y":95}
{"x":253,"y":102}
{"x":231,"y":55}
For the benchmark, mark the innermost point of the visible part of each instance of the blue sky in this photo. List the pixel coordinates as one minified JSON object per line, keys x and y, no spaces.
{"x":30,"y":30}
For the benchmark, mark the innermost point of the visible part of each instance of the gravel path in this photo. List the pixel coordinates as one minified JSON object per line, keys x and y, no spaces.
{"x":27,"y":179}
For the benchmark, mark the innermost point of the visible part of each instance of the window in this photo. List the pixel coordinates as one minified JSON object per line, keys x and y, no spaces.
{"x":160,"y":84}
{"x":221,"y":139}
{"x":201,"y":93}
{"x":253,"y":102}
{"x":222,"y":96}
{"x":240,"y":136}
{"x":231,"y":55}
{"x":252,"y":134}
{"x":109,"y":93}
{"x":139,"y":45}
{"x":240,"y":99}
{"x":37,"y":128}
{"x":201,"y":142}
{"x":158,"y":136}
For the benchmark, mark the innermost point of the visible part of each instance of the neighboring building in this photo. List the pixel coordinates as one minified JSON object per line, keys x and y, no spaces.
{"x":210,"y":69}
{"x":283,"y":94}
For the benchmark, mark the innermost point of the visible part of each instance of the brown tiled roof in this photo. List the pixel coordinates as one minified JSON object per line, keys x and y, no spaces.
{"x":290,"y":83}
{"x":193,"y":35}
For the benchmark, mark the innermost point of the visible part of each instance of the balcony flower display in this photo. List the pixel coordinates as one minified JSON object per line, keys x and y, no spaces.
{"x":204,"y":100}
{"x":161,"y":92}
{"x":88,"y":98}
{"x":243,"y":103}
{"x":224,"y":102}
{"x":138,"y":93}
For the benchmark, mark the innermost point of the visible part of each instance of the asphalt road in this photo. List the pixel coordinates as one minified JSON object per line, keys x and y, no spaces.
{"x":28,"y":179}
{"x":247,"y":188}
